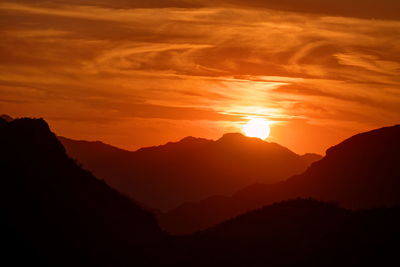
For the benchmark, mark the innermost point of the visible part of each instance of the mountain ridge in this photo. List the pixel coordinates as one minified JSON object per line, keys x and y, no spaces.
{"x":60,"y":213}
{"x":297,"y":232}
{"x":54,"y":213}
{"x":214,"y":167}
{"x":360,"y":172}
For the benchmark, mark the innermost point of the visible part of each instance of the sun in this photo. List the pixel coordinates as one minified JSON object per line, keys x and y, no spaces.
{"x":257,"y":127}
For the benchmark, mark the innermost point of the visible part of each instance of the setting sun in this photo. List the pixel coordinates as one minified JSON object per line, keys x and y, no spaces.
{"x":257,"y":128}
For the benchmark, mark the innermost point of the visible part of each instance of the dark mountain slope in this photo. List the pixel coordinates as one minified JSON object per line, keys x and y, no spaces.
{"x":6,"y":117}
{"x":193,"y":168}
{"x":301,"y":232}
{"x":56,"y":214}
{"x":361,"y":172}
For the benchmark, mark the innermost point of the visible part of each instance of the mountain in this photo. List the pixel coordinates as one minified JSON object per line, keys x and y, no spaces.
{"x":166,"y":176}
{"x":6,"y":117}
{"x":301,"y":232}
{"x":361,"y":172}
{"x":54,"y":213}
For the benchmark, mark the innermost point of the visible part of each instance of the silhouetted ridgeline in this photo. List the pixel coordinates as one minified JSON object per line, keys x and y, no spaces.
{"x":361,"y":172}
{"x":6,"y":117}
{"x":166,"y":176}
{"x":302,"y":232}
{"x":56,"y":214}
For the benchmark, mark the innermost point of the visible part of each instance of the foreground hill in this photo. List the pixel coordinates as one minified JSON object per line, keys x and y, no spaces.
{"x":56,"y":214}
{"x":301,"y":232}
{"x":361,"y":172}
{"x":166,"y":176}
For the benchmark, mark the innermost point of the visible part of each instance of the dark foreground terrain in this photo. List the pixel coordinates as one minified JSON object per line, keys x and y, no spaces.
{"x":54,"y":213}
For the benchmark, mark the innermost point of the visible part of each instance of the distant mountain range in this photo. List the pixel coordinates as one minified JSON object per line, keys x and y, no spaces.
{"x":56,"y":214}
{"x":361,"y":172}
{"x":163,"y":177}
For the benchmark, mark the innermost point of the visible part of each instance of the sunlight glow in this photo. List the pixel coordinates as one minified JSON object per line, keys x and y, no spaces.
{"x":257,"y":127}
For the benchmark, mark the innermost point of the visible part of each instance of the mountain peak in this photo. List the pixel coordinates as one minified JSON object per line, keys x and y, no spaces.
{"x":6,"y":117}
{"x":189,"y":169}
{"x":34,"y":137}
{"x":235,"y":137}
{"x":368,"y":141}
{"x":191,"y":139}
{"x":359,"y":173}
{"x":48,"y":202}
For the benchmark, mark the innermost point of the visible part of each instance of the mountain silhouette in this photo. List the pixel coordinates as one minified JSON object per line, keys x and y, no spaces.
{"x":166,"y":176}
{"x":54,"y":213}
{"x":301,"y":232}
{"x":6,"y":117}
{"x":361,"y":172}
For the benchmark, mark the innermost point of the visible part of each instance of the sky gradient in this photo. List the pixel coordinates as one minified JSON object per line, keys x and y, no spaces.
{"x":136,"y":74}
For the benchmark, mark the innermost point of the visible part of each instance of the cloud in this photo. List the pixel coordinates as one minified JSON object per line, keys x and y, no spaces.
{"x":118,"y":4}
{"x":369,"y":9}
{"x":380,"y":9}
{"x":219,"y":61}
{"x":369,"y":62}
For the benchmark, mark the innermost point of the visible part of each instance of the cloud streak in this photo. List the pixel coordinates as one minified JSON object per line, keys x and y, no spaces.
{"x":220,"y":62}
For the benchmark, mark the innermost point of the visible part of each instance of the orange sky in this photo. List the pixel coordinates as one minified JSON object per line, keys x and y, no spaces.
{"x":135,"y":74}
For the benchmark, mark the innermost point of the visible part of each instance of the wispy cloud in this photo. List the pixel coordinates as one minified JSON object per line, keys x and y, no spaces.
{"x":220,"y":62}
